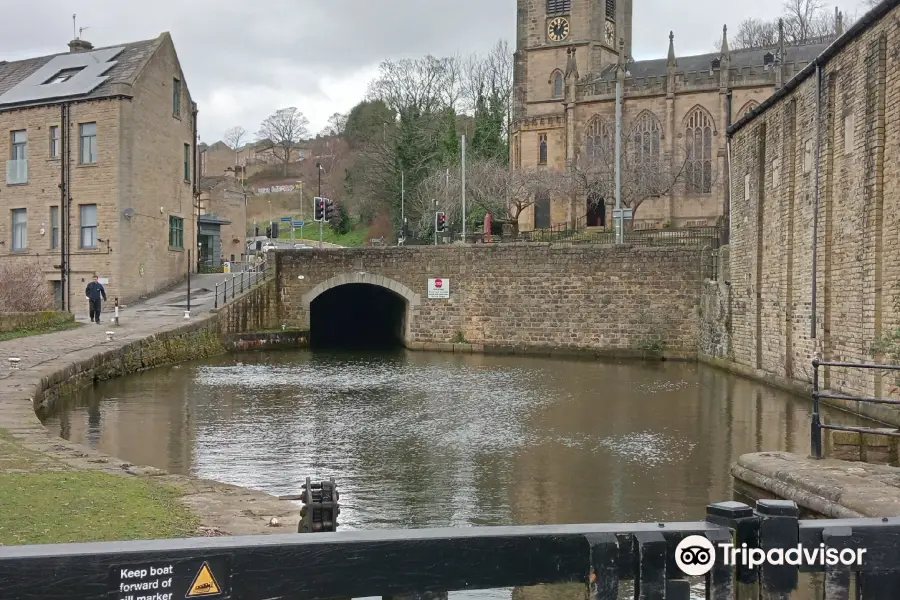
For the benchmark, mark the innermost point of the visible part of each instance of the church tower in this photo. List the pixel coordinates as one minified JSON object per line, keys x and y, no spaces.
{"x":546,"y":29}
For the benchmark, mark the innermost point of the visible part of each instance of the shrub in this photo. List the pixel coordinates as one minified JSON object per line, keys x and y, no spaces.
{"x":23,"y":288}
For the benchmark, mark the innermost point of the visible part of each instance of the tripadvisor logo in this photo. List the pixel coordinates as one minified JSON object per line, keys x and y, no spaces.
{"x":695,"y":555}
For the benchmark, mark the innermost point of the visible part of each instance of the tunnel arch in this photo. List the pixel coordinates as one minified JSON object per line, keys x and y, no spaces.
{"x":379,"y":286}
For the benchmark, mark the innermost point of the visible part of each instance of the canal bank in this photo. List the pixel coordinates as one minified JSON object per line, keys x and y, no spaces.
{"x":151,"y":334}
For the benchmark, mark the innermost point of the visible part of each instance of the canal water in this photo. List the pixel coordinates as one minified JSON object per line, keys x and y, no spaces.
{"x":420,"y":439}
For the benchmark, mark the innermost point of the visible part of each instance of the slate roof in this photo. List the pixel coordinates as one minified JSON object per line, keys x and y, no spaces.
{"x":128,"y":66}
{"x":701,"y":62}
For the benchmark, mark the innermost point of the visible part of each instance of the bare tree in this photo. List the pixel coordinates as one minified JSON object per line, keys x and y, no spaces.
{"x":489,"y":77}
{"x":23,"y":289}
{"x":804,"y":22}
{"x":282,"y":132}
{"x":490,"y":185}
{"x":235,"y":137}
{"x":336,"y":125}
{"x":418,"y":86}
{"x":645,"y":170}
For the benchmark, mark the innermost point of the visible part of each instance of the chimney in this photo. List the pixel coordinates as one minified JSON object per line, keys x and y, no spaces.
{"x":79,"y":45}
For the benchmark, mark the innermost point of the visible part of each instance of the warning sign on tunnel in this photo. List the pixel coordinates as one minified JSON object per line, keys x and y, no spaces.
{"x":208,"y":577}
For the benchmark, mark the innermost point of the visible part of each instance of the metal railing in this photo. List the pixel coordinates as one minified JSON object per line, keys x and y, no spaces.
{"x":816,"y":424}
{"x":646,"y":557}
{"x":239,"y":282}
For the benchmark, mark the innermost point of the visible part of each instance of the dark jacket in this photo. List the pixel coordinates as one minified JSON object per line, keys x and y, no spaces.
{"x":94,"y":290}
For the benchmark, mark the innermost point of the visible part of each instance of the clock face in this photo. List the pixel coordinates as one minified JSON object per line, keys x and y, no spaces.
{"x":610,"y":34}
{"x":558,"y":29}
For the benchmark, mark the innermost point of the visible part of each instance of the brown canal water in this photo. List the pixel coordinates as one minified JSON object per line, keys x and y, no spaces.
{"x":431,"y":440}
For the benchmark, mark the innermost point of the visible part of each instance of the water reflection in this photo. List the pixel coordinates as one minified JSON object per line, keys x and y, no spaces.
{"x":427,"y":440}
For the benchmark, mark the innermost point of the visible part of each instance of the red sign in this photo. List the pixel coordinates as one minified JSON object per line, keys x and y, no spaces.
{"x":438,"y":283}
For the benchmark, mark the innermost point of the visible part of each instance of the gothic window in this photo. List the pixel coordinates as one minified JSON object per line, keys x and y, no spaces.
{"x":611,"y":9}
{"x":542,"y":209}
{"x":747,"y":108}
{"x":598,"y":143}
{"x":542,"y":149}
{"x":698,"y":151}
{"x":559,"y":7}
{"x":558,"y":84}
{"x":643,"y":151}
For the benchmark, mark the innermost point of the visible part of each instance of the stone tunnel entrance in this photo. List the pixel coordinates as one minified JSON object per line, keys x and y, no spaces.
{"x":357,"y":316}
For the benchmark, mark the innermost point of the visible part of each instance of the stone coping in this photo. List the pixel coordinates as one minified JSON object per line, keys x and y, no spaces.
{"x":45,"y":360}
{"x":836,"y":489}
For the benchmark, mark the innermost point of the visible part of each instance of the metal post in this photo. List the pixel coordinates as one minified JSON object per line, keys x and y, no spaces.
{"x":463,"y":176}
{"x":815,"y":236}
{"x":216,"y":303}
{"x":815,"y":432}
{"x":225,"y":292}
{"x":233,"y":287}
{"x":116,"y":318}
{"x":242,"y":281}
{"x":620,"y":222}
{"x":302,"y":214}
{"x":402,"y":197}
{"x":187,"y":311}
{"x":319,"y":169}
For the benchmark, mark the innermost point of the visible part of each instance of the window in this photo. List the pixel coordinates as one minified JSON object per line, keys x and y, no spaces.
{"x":558,"y":85}
{"x":88,"y":225}
{"x":88,"y":133}
{"x":64,"y":75}
{"x":19,"y":141}
{"x":542,"y":209}
{"x":643,"y":154}
{"x":54,"y":227}
{"x":187,"y":162}
{"x":599,"y":147}
{"x":54,"y":141}
{"x":559,"y":7}
{"x":611,"y":9}
{"x":542,"y":149}
{"x":698,"y":150}
{"x":176,"y":98}
{"x":176,"y":232}
{"x":19,"y":229}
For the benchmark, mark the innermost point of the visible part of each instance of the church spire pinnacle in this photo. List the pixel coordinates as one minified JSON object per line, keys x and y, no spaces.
{"x":726,"y":52}
{"x":671,"y":62}
{"x":571,"y":65}
{"x":780,"y":57}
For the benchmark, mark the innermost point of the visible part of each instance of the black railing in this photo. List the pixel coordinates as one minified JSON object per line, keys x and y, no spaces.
{"x":243,"y":280}
{"x":816,"y":424}
{"x":393,"y":562}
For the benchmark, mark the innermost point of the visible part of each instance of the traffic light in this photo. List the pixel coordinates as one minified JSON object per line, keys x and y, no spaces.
{"x":440,"y":222}
{"x":275,"y":230}
{"x":330,"y":209}
{"x":320,"y":209}
{"x":269,"y":231}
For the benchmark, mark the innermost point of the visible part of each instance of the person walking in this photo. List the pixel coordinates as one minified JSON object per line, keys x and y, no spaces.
{"x":93,"y":292}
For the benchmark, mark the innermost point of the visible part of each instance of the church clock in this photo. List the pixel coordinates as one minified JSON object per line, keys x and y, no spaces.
{"x":610,"y":34}
{"x":558,"y":29}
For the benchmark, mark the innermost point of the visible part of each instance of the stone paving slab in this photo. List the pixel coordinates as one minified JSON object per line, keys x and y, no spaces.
{"x":837,"y":489}
{"x":223,"y":509}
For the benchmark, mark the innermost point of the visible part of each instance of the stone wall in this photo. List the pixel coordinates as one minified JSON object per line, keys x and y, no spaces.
{"x":33,"y":320}
{"x":522,"y":297}
{"x":254,"y":311}
{"x":784,"y":314}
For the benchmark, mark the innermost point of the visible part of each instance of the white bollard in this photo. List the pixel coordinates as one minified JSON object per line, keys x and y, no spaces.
{"x":187,"y":314}
{"x":109,"y":335}
{"x":13,"y":363}
{"x":116,"y":318}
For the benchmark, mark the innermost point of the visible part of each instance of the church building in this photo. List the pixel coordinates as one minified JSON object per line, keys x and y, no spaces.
{"x":675,"y":111}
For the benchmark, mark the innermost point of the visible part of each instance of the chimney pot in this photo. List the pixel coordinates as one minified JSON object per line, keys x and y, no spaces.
{"x":78,"y":45}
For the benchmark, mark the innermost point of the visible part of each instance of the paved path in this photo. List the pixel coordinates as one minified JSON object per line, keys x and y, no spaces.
{"x":222,"y":508}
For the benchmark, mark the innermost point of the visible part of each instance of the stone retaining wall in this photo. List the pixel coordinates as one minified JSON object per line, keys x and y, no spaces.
{"x":16,"y":321}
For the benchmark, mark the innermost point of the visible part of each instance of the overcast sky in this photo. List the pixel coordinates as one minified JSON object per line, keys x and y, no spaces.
{"x":244,"y":59}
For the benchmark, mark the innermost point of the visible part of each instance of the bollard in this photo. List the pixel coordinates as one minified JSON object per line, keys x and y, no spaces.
{"x":116,"y":318}
{"x":216,"y":302}
{"x":320,"y":507}
{"x":109,"y":335}
{"x":14,"y":363}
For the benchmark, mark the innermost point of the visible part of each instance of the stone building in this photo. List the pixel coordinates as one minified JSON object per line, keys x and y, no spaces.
{"x":815,"y":211}
{"x":99,"y":177}
{"x":223,"y":219}
{"x":569,"y":56}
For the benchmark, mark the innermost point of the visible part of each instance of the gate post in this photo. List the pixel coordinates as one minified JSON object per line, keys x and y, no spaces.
{"x":742,"y":584}
{"x":779,"y":529}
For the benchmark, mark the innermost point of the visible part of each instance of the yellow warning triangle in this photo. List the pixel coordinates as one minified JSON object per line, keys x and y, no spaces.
{"x":205,"y":583}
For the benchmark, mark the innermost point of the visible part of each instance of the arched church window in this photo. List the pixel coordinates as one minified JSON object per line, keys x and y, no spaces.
{"x":747,"y":108}
{"x":698,"y":151}
{"x":559,"y":7}
{"x":611,"y":9}
{"x":558,"y":84}
{"x":598,"y":142}
{"x":542,"y":149}
{"x":643,"y":150}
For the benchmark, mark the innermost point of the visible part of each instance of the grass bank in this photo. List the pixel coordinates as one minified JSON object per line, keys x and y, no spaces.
{"x":25,"y":332}
{"x":45,"y":501}
{"x":357,"y":236}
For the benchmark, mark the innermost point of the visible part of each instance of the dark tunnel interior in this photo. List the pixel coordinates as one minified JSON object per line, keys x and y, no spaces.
{"x":357,"y":316}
